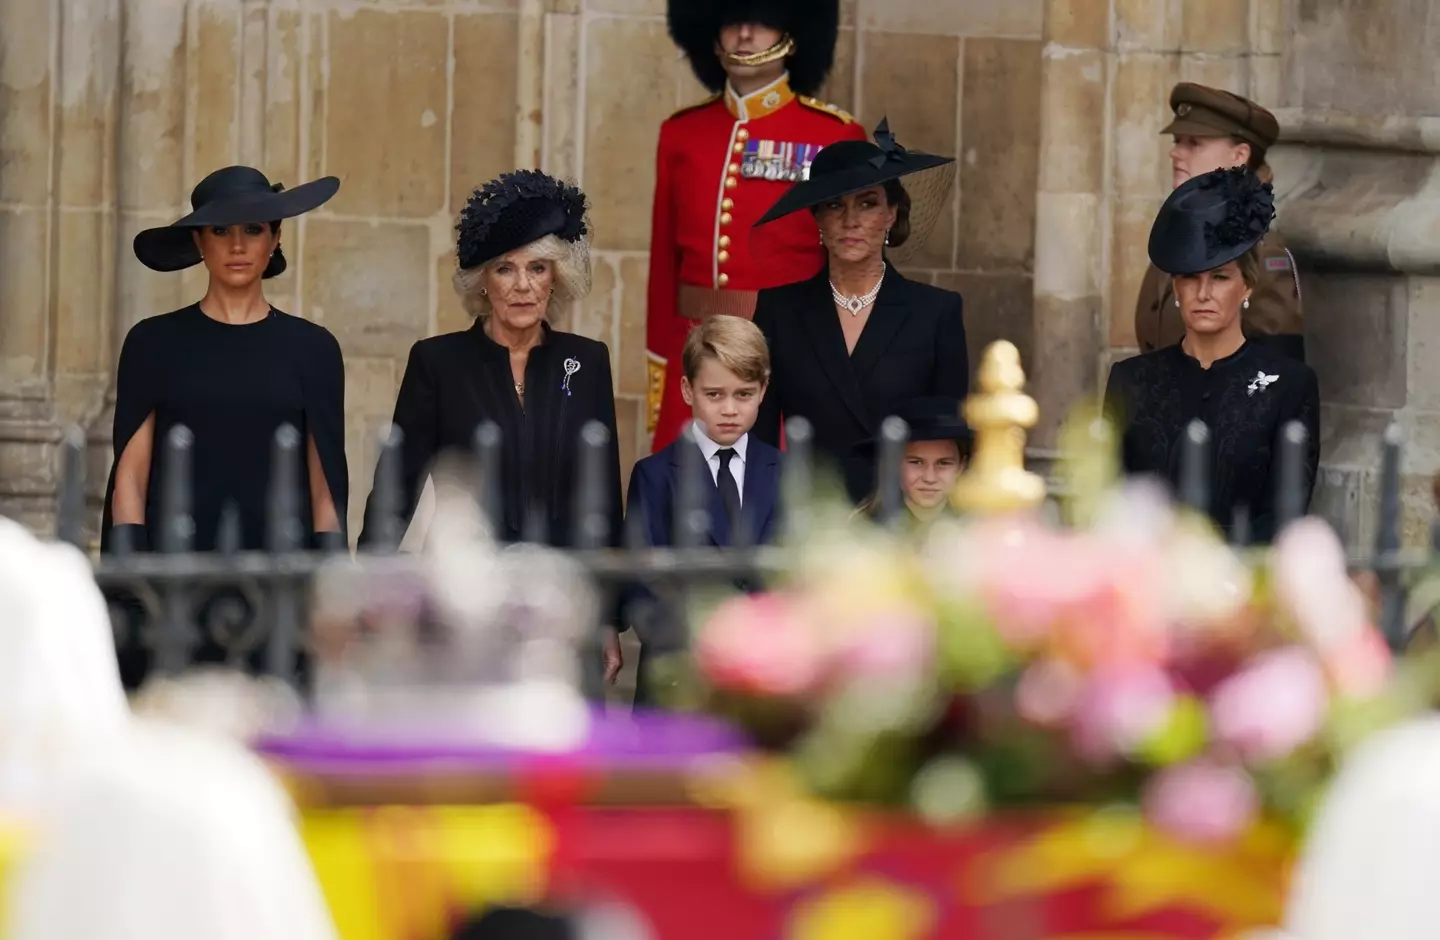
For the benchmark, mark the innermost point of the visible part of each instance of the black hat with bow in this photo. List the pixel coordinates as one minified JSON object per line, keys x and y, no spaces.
{"x":810,"y":28}
{"x":852,"y":166}
{"x":236,"y":195}
{"x":514,"y":210}
{"x":1210,"y":220}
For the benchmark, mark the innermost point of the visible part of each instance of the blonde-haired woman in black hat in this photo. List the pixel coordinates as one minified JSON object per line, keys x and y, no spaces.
{"x":523,"y":254}
{"x":1215,"y":129}
{"x":227,"y":374}
{"x":1206,"y":239}
{"x":856,"y":341}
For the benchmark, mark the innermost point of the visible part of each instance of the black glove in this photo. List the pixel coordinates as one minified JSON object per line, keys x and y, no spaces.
{"x":132,"y":536}
{"x":332,"y":542}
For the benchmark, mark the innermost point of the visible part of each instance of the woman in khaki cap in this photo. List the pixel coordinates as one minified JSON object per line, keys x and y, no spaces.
{"x":1214,"y":130}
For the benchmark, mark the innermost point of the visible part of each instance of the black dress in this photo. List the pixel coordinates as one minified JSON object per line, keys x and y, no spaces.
{"x":1245,"y":399}
{"x":912,"y":346}
{"x":455,"y":382}
{"x":232,"y":387}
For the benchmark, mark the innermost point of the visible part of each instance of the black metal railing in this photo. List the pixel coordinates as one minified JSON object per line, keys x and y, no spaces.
{"x":253,"y":604}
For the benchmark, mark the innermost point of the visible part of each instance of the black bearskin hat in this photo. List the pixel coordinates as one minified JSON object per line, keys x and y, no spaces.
{"x":813,"y":24}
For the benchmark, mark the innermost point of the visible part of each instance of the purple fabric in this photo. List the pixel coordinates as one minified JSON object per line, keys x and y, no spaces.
{"x":643,"y":740}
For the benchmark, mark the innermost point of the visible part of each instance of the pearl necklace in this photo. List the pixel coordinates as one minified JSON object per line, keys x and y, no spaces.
{"x":857,"y":302}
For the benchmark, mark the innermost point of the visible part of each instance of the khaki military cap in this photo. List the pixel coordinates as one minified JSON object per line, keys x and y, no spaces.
{"x":1209,"y":112}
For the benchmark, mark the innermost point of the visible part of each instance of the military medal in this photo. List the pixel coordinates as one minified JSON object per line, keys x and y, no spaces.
{"x":750,"y":168}
{"x":771,"y":159}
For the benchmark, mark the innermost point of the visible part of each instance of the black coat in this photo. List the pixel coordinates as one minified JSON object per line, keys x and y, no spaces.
{"x":1245,"y":399}
{"x":455,"y":382}
{"x":913,"y":346}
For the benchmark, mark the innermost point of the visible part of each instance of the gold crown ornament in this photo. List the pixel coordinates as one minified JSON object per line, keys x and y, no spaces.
{"x":999,"y":414}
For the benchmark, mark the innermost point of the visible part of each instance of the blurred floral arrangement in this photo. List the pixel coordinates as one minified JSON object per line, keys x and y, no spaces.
{"x":1130,"y":656}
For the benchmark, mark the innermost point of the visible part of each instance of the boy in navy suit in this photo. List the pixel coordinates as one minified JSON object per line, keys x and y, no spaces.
{"x":726,"y":372}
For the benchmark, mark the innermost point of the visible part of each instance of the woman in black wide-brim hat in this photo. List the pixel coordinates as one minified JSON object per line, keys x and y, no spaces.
{"x":523,"y":258}
{"x":227,"y":374}
{"x":856,"y":340}
{"x":1207,"y":238}
{"x":937,"y":448}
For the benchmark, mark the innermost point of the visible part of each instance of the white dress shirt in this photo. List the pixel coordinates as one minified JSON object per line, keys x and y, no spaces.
{"x":711,"y":450}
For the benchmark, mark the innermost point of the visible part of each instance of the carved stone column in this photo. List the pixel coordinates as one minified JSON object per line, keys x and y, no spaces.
{"x":57,"y":111}
{"x":1071,"y":227}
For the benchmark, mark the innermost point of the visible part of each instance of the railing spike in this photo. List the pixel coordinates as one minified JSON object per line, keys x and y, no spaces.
{"x":1194,"y":490}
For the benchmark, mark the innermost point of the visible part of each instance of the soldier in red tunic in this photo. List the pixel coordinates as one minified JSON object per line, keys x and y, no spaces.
{"x":722,"y":164}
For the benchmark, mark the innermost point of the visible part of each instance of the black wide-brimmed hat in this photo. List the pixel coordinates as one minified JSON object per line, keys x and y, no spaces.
{"x":812,"y":24}
{"x":930,"y":419}
{"x":1211,"y":220}
{"x":236,"y":195}
{"x":514,"y":210}
{"x":851,"y":166}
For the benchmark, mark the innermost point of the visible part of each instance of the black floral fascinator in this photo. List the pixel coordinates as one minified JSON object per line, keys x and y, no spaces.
{"x":1210,"y":220}
{"x":235,"y":195}
{"x":515,"y":210}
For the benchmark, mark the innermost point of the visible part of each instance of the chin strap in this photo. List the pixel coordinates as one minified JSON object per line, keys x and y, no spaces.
{"x":781,"y":50}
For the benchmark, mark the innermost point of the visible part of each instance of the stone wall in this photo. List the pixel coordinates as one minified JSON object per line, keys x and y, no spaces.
{"x":110,"y":110}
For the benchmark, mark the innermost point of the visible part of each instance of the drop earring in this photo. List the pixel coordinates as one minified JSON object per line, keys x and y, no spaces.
{"x":1245,"y":304}
{"x":1177,"y":301}
{"x":887,"y":236}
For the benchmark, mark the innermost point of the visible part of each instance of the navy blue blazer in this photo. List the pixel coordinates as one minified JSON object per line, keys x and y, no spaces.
{"x":655,"y":488}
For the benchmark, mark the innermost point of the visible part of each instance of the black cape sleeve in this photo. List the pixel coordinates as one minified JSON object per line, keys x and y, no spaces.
{"x":323,"y":381}
{"x":136,"y":395}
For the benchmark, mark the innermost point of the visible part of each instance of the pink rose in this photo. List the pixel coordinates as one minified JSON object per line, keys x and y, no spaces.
{"x":763,"y":644}
{"x":1361,"y":666}
{"x":1048,"y":693}
{"x":1119,"y":711}
{"x":1201,"y":801}
{"x":1272,"y":706}
{"x":1313,"y":584}
{"x":892,"y":644}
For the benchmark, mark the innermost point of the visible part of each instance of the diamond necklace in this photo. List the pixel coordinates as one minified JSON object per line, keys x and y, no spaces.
{"x":857,"y":302}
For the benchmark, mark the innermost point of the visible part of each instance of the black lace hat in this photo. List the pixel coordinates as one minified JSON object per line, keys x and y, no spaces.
{"x":514,"y":210}
{"x":235,"y":195}
{"x":813,"y":25}
{"x":931,"y":419}
{"x":1210,"y":220}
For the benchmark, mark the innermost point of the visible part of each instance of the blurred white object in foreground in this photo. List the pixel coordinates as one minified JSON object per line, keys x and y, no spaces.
{"x":167,"y":833}
{"x":1368,"y":868}
{"x":60,"y":690}
{"x":134,"y":829}
{"x":468,"y":643}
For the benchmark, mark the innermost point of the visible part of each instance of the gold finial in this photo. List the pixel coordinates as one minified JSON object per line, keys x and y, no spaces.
{"x":999,"y":414}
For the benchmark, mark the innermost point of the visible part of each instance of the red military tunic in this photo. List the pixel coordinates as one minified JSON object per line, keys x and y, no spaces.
{"x":721,"y":165}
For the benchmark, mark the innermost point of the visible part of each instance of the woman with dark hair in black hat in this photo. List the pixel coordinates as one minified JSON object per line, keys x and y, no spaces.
{"x":231,"y":371}
{"x":936,"y":452}
{"x":857,"y":340}
{"x":227,"y":374}
{"x":1207,"y":238}
{"x":523,"y":257}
